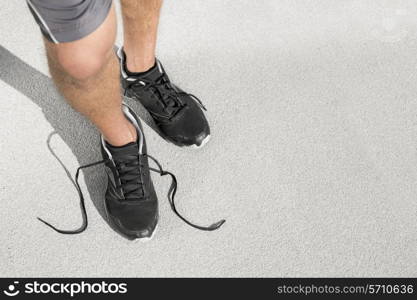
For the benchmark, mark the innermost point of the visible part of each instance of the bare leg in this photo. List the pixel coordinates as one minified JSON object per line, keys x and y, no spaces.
{"x":87,"y":73}
{"x":140,"y":20}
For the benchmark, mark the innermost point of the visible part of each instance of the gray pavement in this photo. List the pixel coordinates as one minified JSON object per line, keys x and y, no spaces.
{"x":312,"y":160}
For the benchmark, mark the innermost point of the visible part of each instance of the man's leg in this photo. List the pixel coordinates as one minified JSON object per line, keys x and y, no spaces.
{"x":140,"y":19}
{"x":177,"y":114}
{"x":86,"y":72}
{"x":79,"y":39}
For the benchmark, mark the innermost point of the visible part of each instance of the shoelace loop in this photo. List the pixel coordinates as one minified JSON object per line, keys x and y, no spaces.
{"x":171,"y":196}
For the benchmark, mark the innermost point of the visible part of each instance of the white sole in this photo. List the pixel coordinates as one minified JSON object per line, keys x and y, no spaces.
{"x":145,"y":239}
{"x":203,"y":143}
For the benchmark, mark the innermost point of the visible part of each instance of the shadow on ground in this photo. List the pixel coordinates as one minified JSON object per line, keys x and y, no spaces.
{"x":80,"y":135}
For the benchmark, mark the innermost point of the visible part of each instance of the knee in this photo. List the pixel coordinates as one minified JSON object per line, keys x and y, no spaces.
{"x":82,"y":64}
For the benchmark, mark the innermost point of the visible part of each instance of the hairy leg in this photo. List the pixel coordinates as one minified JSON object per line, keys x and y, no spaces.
{"x":140,"y":21}
{"x":86,"y":72}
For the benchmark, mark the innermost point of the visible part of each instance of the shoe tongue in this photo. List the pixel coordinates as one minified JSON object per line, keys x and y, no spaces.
{"x":131,"y":148}
{"x":131,"y":174}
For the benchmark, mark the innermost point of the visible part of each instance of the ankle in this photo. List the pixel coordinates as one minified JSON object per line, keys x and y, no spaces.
{"x":125,"y":135}
{"x":138,"y":64}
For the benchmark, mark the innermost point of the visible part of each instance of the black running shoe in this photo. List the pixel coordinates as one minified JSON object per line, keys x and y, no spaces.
{"x":178,"y":115}
{"x":131,"y":202}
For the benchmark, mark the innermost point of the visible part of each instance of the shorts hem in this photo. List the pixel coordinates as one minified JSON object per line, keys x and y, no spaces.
{"x":80,"y":29}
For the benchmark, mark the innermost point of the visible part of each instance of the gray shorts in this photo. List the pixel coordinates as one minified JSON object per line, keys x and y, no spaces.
{"x":68,"y":20}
